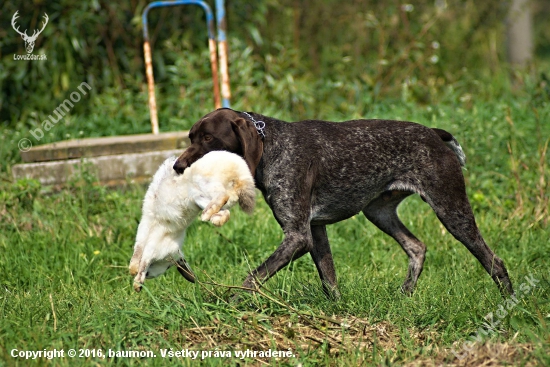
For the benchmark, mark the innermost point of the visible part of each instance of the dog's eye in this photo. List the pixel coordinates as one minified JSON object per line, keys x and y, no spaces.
{"x":207,"y":138}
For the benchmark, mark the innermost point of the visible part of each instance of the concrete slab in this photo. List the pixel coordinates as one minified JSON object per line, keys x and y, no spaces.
{"x":104,"y":146}
{"x":110,"y":169}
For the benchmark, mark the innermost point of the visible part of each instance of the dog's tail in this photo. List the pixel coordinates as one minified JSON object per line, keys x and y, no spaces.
{"x":452,"y":143}
{"x":247,"y":195}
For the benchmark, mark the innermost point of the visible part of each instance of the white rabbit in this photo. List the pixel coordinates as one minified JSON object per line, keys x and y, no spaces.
{"x":213,"y":184}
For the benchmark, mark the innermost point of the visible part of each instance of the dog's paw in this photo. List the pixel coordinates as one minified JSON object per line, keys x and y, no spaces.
{"x":220,"y":218}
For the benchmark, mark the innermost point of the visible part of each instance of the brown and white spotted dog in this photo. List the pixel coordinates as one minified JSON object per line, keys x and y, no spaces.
{"x":313,"y":173}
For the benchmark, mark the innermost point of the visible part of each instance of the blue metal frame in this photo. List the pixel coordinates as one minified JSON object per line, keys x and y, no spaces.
{"x":223,"y":52}
{"x":211,"y":45}
{"x":158,"y":4}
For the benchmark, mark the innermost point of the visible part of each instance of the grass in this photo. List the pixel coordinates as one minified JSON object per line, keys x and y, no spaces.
{"x":65,"y":283}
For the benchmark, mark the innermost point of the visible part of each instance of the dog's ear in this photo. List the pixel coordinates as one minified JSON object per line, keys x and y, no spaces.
{"x":251,"y":142}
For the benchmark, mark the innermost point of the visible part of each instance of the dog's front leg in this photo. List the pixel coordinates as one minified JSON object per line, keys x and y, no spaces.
{"x":289,"y":197}
{"x":292,"y":213}
{"x":295,"y":245}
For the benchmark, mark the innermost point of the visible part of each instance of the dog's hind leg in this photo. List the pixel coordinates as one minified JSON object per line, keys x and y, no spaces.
{"x":322,"y":257}
{"x":382,"y":211}
{"x":447,"y":197}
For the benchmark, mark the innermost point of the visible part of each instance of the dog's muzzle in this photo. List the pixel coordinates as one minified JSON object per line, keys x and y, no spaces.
{"x":180,"y":166}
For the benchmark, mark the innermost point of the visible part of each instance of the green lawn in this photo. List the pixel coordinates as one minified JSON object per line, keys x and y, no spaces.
{"x":64,"y":281}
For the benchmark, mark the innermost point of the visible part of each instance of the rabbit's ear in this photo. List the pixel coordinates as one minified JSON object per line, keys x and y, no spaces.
{"x":134,"y":262}
{"x":140,"y":277}
{"x":141,"y":239}
{"x":185,"y":270}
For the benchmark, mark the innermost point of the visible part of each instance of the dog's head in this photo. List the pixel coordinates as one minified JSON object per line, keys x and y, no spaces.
{"x":223,"y":129}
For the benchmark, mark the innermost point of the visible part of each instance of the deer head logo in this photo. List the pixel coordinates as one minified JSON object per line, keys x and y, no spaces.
{"x":29,"y":40}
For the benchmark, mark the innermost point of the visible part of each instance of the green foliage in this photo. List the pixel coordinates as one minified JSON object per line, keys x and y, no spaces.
{"x":347,"y":52}
{"x":74,"y":246}
{"x":65,"y":254}
{"x":26,"y":192}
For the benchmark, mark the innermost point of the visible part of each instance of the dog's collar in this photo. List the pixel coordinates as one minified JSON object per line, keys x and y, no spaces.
{"x":259,"y":125}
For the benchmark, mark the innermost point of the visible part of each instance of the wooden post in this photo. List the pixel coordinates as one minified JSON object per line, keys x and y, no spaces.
{"x":151,"y":85}
{"x":519,"y":29}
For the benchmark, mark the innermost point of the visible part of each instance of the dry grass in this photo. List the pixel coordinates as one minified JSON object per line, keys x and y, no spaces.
{"x":486,"y":355}
{"x":340,"y":336}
